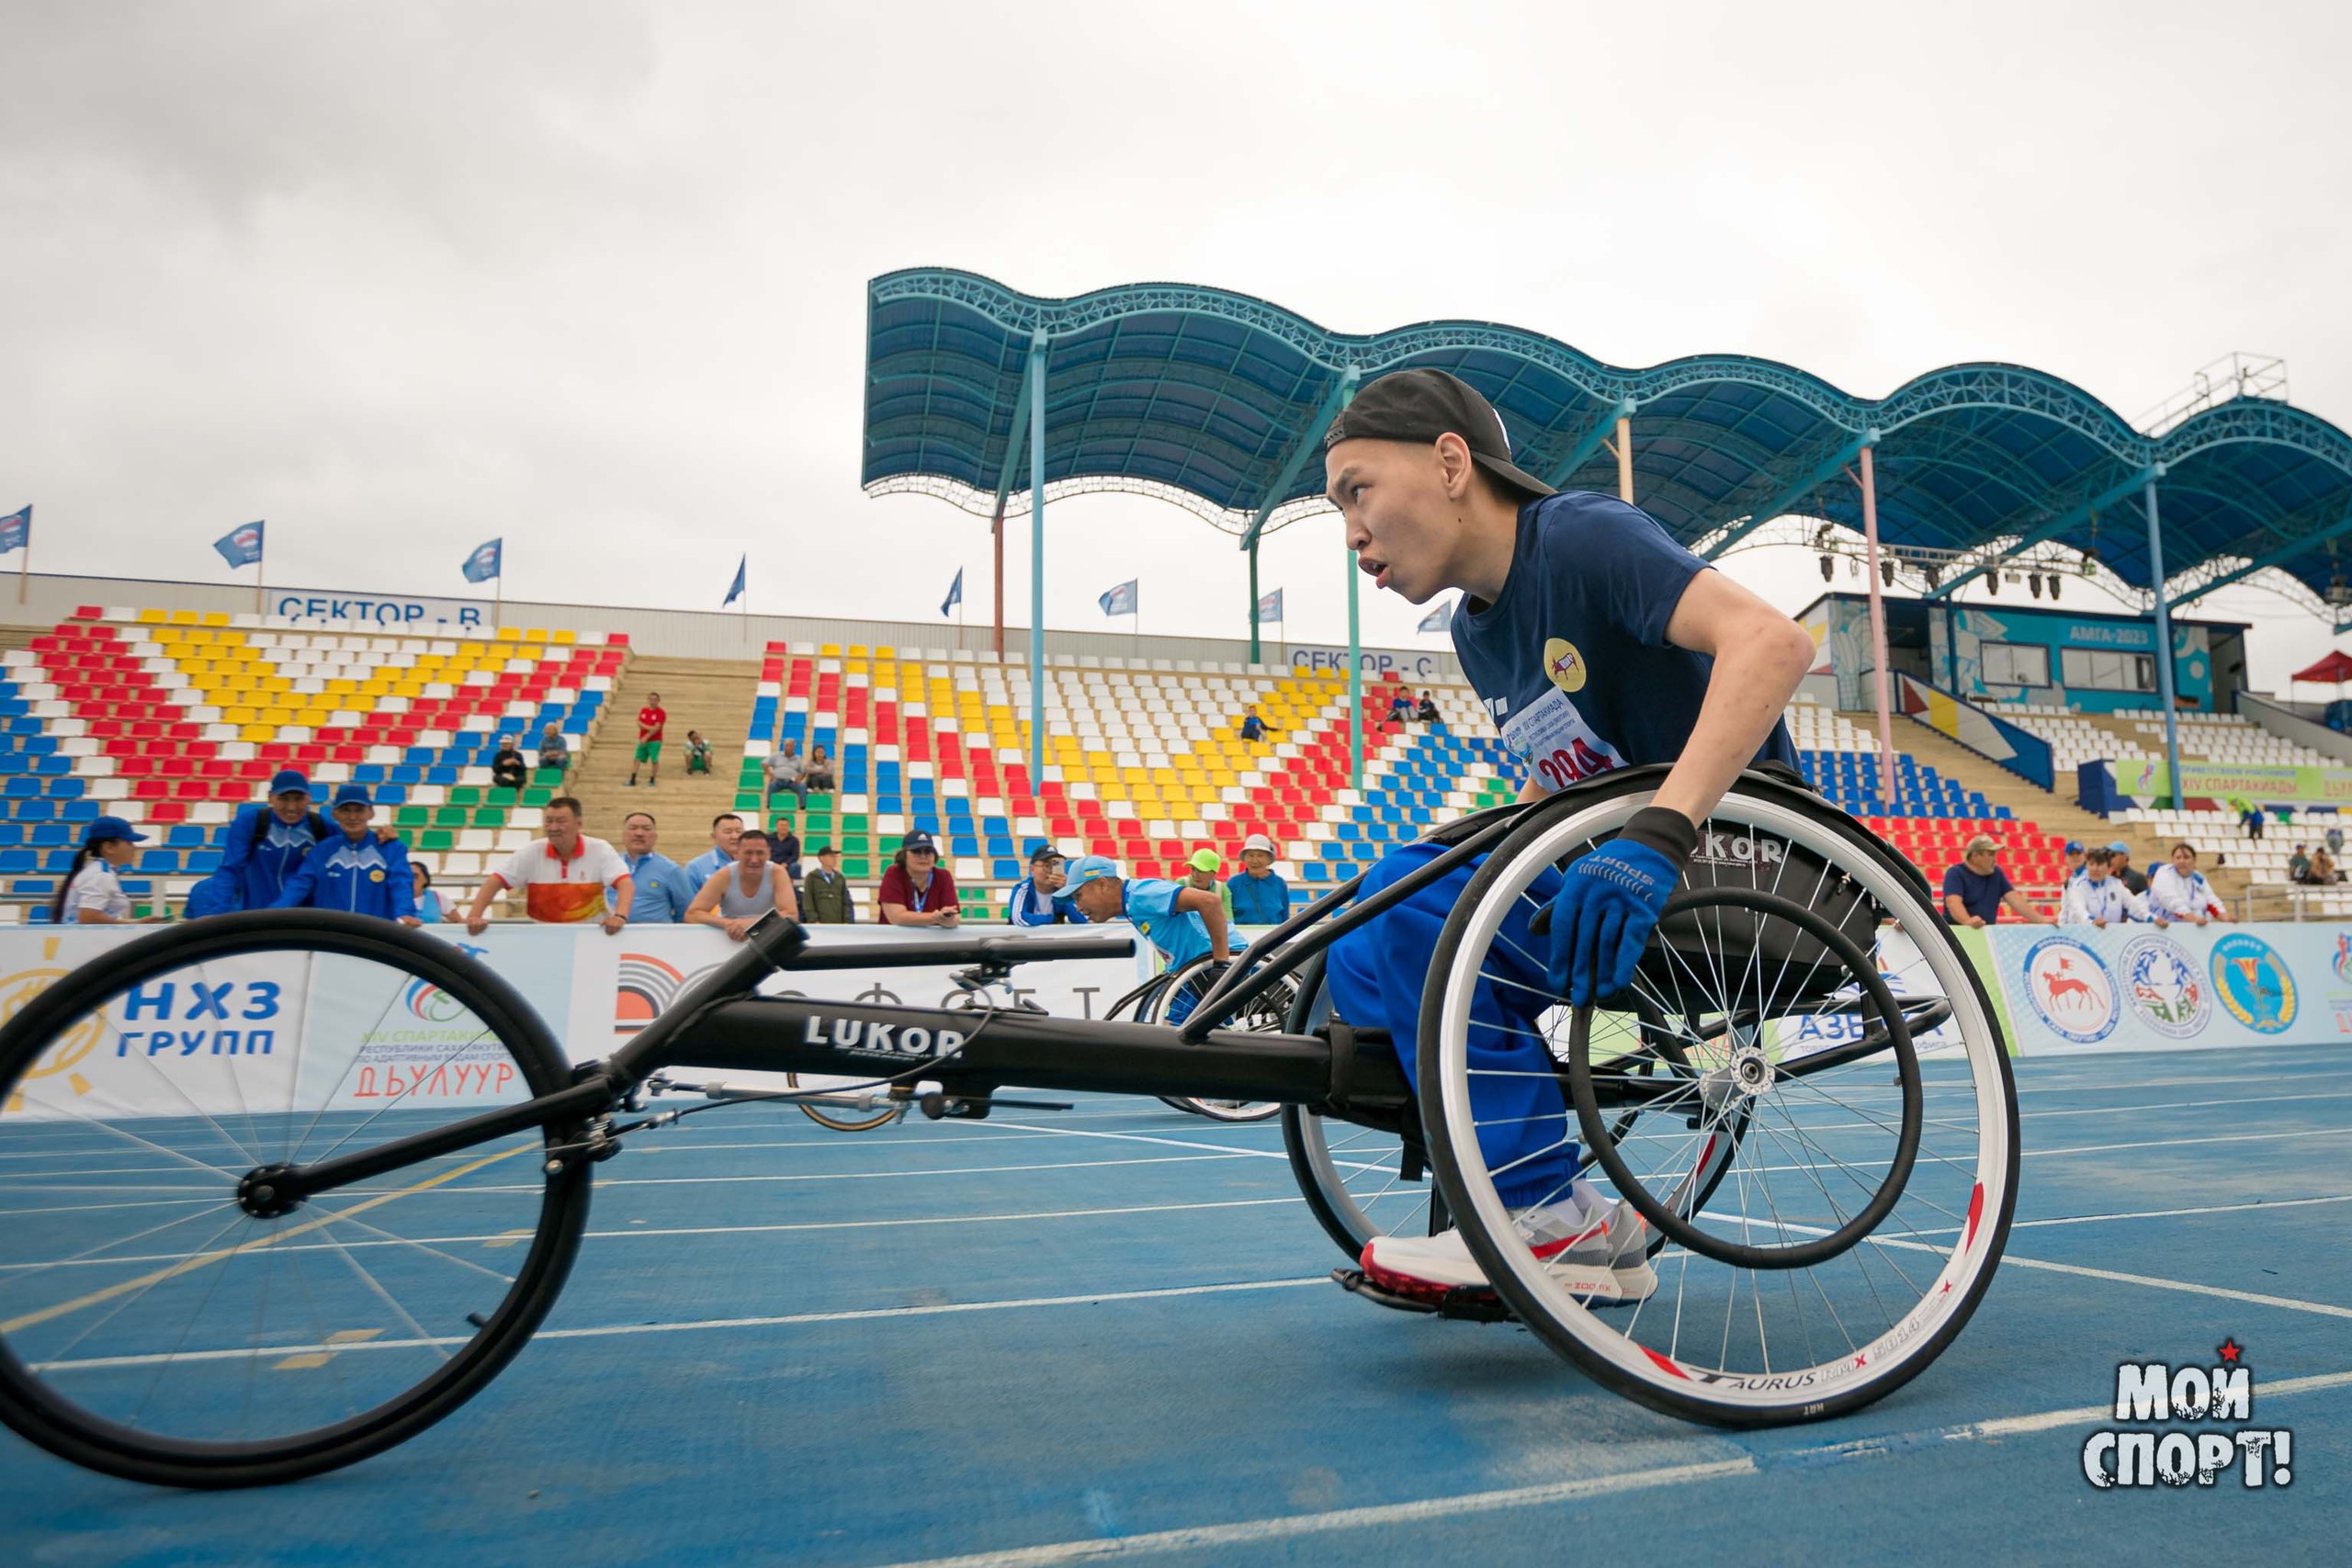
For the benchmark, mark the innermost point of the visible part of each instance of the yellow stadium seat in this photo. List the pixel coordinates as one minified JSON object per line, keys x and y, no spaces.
{"x":152,"y":617}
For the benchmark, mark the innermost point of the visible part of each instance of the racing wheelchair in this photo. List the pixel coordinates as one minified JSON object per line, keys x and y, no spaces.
{"x":292,"y":1140}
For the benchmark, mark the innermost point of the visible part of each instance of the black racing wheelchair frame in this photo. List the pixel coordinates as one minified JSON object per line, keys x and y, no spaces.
{"x":721,"y":1024}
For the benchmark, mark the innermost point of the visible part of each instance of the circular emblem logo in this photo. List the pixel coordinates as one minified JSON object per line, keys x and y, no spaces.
{"x":2253,"y":984}
{"x":376,"y":875}
{"x":1564,"y":665}
{"x":2070,"y":989}
{"x":2163,"y":987}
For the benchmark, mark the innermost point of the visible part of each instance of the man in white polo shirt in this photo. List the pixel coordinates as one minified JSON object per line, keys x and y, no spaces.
{"x":563,"y":876}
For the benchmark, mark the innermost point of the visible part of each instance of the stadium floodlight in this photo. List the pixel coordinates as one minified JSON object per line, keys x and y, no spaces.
{"x":1886,"y":569}
{"x":1828,"y":569}
{"x":2033,"y":583}
{"x":2054,"y":587}
{"x":2339,"y":592}
{"x":1993,"y":584}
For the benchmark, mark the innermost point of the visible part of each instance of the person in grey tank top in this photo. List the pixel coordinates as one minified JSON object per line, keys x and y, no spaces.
{"x":723,"y":901}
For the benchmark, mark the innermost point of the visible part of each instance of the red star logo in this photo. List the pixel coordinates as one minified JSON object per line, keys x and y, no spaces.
{"x":2230,"y":1350}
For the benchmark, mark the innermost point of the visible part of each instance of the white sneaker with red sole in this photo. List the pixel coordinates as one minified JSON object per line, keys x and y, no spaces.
{"x":1598,"y":1256}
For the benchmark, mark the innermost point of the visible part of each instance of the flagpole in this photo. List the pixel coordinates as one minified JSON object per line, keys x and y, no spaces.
{"x":498,"y":594}
{"x":25,"y":567}
{"x":261,"y":568}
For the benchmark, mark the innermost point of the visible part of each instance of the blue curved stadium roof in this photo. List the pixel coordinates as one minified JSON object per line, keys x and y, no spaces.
{"x":1216,"y":401}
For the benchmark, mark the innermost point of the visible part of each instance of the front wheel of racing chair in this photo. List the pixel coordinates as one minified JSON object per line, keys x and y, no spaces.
{"x":1823,"y":1208}
{"x":1170,"y":999}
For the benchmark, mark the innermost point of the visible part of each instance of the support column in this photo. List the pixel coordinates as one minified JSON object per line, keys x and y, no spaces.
{"x":1253,"y":602}
{"x":1877,"y":616}
{"x":2164,"y":649}
{"x":996,"y":531}
{"x":1355,"y":647}
{"x":1625,"y":460}
{"x":1038,"y":567}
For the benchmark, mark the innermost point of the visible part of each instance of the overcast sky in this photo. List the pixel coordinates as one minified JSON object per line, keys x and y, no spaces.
{"x":590,"y":274}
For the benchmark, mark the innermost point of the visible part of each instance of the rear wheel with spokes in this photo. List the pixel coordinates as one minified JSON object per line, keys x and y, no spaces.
{"x":1172,"y":1001}
{"x":1806,"y":1098}
{"x":164,"y":1316}
{"x":1359,"y":1181}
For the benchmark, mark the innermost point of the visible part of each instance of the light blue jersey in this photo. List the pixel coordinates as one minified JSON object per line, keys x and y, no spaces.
{"x":1179,"y":935}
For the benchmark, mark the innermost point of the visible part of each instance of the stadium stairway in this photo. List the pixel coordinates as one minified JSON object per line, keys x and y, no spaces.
{"x":2054,"y":812}
{"x":713,"y":695}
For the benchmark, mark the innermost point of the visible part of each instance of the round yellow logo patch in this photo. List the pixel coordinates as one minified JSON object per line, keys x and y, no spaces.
{"x":1564,"y":665}
{"x":377,"y":875}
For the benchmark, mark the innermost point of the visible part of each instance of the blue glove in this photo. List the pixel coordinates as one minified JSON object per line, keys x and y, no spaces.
{"x":1610,"y":901}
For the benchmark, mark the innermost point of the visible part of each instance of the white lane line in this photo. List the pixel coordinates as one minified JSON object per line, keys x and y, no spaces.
{"x":635,"y":1233}
{"x":782,"y":1320}
{"x":1291,"y":1527}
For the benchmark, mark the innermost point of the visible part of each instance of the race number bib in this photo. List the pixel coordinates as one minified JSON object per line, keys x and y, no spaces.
{"x":1555,"y":742}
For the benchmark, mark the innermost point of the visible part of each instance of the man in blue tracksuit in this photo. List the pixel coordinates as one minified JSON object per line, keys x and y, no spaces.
{"x":265,"y":844}
{"x":353,"y":870}
{"x":1033,"y":901}
{"x":1596,"y":642}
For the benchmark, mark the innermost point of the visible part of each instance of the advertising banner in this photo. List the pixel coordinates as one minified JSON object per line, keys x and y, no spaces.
{"x":2072,"y":990}
{"x":2143,"y":778}
{"x":322,"y":1032}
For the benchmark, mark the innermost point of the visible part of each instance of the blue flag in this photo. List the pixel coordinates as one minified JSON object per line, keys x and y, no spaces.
{"x":736,"y":591}
{"x":486,"y":563}
{"x":240,"y":546}
{"x":1439,"y":619}
{"x":1120,"y":601}
{"x":954,"y":592}
{"x":16,"y":529}
{"x":1269,"y":608}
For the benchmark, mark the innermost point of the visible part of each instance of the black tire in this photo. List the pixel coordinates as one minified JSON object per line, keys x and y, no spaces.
{"x":41,"y":1411}
{"x":1612,"y":1355}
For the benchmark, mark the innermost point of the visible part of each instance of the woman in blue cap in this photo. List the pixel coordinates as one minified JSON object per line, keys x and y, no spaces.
{"x":92,"y":896}
{"x":353,"y":869}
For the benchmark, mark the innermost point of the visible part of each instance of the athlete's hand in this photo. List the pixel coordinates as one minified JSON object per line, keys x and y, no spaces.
{"x":613,"y":925}
{"x":411,"y":921}
{"x":477,"y":924}
{"x":1610,"y":901}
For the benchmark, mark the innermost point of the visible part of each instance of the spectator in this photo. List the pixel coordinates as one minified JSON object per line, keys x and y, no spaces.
{"x":2334,"y":839}
{"x":784,"y":844}
{"x":507,"y":768}
{"x":428,"y":902}
{"x":2321,"y":870}
{"x":1032,"y":902}
{"x":1427,"y":712}
{"x":1400,"y":706}
{"x":2075,"y":861}
{"x":739,"y":896}
{"x":555,"y":752}
{"x":2096,"y":899}
{"x":653,"y":719}
{"x":2178,"y":891}
{"x":563,"y":876}
{"x":819,"y":777}
{"x":1205,"y":866}
{"x":1258,"y":897}
{"x":2299,"y":863}
{"x":697,"y":752}
{"x":354,"y":871}
{"x":92,"y":896}
{"x":1181,"y":923}
{"x":2251,"y":815}
{"x":786,"y":772}
{"x":266,"y":843}
{"x":1975,"y":889}
{"x":2131,"y":880}
{"x":663,"y":888}
{"x":1253,"y":727}
{"x":825,"y":895}
{"x":725,"y":829}
{"x":917,"y":890}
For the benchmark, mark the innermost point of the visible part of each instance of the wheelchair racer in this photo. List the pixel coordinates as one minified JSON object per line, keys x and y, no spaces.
{"x":1180,"y":922}
{"x":1596,"y":642}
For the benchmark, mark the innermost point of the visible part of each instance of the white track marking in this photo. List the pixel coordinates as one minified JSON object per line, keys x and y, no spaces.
{"x":1291,"y":1527}
{"x":783,"y":1320}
